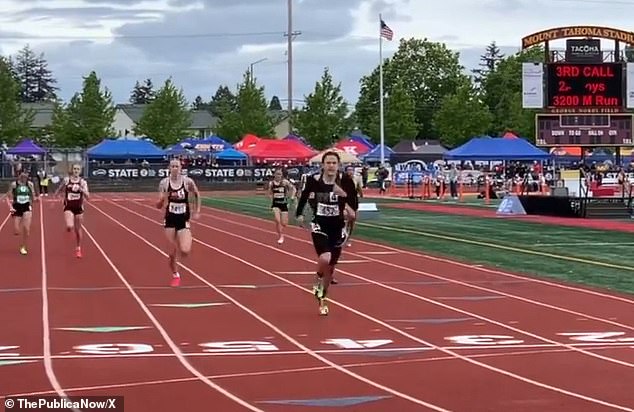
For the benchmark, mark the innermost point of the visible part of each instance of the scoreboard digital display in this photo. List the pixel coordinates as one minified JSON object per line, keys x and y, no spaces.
{"x":572,"y":85}
{"x":584,"y":130}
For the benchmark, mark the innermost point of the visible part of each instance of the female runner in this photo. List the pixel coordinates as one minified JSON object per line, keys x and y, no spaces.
{"x":174,"y":194}
{"x":328,"y":202}
{"x":75,"y":190}
{"x":20,"y":198}
{"x":280,"y":191}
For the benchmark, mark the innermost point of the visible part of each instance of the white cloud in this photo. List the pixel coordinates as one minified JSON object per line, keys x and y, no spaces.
{"x":205,"y":43}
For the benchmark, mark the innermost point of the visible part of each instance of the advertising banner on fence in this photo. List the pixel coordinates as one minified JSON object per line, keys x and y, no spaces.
{"x":228,"y":173}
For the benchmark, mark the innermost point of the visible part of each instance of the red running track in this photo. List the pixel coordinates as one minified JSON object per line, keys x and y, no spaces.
{"x":448,"y":336}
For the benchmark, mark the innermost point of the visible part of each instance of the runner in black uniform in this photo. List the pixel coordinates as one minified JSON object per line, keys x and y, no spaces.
{"x":281,"y":191}
{"x":328,"y":203}
{"x":20,"y":198}
{"x":174,"y":194}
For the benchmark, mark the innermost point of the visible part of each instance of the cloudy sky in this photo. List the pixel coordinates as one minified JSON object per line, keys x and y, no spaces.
{"x":204,"y":43}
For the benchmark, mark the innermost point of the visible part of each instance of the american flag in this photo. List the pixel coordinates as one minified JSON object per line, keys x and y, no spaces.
{"x":386,"y":32}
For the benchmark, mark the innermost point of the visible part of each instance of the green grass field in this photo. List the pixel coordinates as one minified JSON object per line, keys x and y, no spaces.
{"x":587,"y":256}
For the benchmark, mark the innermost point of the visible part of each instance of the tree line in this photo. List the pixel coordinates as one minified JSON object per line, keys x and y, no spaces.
{"x":428,"y":94}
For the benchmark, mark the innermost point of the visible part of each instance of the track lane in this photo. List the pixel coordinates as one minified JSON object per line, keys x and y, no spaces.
{"x":104,"y":304}
{"x":225,"y":245}
{"x":21,"y":314}
{"x":549,"y":290}
{"x":423,"y":275}
{"x":240,"y":325}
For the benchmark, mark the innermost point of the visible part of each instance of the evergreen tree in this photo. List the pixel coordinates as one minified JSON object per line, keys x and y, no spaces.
{"x":275,"y":104}
{"x":167,"y":118}
{"x":200,"y":104}
{"x":142,"y":93}
{"x":14,"y":120}
{"x":488,"y":62}
{"x":222,"y":102}
{"x":250,"y":114}
{"x":324,"y":116}
{"x":36,"y":80}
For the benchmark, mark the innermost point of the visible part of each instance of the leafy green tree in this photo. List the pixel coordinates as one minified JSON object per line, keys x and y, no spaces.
{"x":462,"y":116}
{"x":429,"y":70}
{"x":250,"y":114}
{"x":88,"y":117}
{"x":167,"y":118}
{"x":629,"y":53}
{"x":324,"y":116}
{"x":502,"y":93}
{"x":14,"y":120}
{"x":400,"y":115}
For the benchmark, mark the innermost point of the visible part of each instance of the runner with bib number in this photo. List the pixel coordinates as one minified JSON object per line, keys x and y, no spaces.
{"x":75,"y":190}
{"x":20,"y":198}
{"x":328,"y":201}
{"x":174,"y":196}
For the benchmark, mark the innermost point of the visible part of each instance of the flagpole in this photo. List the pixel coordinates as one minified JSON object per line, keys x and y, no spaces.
{"x":381,"y":124}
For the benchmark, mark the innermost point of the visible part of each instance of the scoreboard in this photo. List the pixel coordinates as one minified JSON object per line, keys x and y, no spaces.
{"x":584,"y":129}
{"x":574,"y":85}
{"x":584,"y":104}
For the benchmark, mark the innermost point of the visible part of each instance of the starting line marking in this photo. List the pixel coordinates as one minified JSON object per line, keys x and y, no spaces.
{"x":355,"y":352}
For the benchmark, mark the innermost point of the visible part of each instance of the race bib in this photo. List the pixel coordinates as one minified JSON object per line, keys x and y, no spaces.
{"x":74,"y":196}
{"x":279,"y":195}
{"x":177,"y":208}
{"x":22,"y":199}
{"x":327,"y":210}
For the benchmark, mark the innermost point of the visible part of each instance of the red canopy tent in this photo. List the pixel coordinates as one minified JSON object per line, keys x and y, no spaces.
{"x":249,"y":140}
{"x":273,"y":150}
{"x":353,"y":147}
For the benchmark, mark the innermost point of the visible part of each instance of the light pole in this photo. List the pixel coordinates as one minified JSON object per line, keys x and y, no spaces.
{"x":289,"y":53}
{"x":253,"y":64}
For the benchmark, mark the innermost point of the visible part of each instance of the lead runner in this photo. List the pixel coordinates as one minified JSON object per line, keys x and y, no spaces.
{"x":328,"y":203}
{"x":174,"y":194}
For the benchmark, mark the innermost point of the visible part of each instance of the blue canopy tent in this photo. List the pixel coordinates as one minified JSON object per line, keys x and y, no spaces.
{"x":125,"y":149}
{"x":26,"y":147}
{"x":178,"y":150}
{"x":496,"y":148}
{"x":231,"y":155}
{"x":374,"y":155}
{"x":358,"y":136}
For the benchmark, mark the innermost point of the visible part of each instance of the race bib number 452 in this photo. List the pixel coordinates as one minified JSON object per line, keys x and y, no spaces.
{"x":327,"y":210}
{"x":177,"y":208}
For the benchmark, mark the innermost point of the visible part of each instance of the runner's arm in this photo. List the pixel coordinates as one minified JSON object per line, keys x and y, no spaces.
{"x":193,"y":188}
{"x":9,"y":195}
{"x":84,"y":189}
{"x":162,"y":191}
{"x":61,"y":186}
{"x":303,"y":198}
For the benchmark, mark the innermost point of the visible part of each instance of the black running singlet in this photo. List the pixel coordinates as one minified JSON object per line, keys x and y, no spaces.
{"x":177,"y":200}
{"x":278,"y":191}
